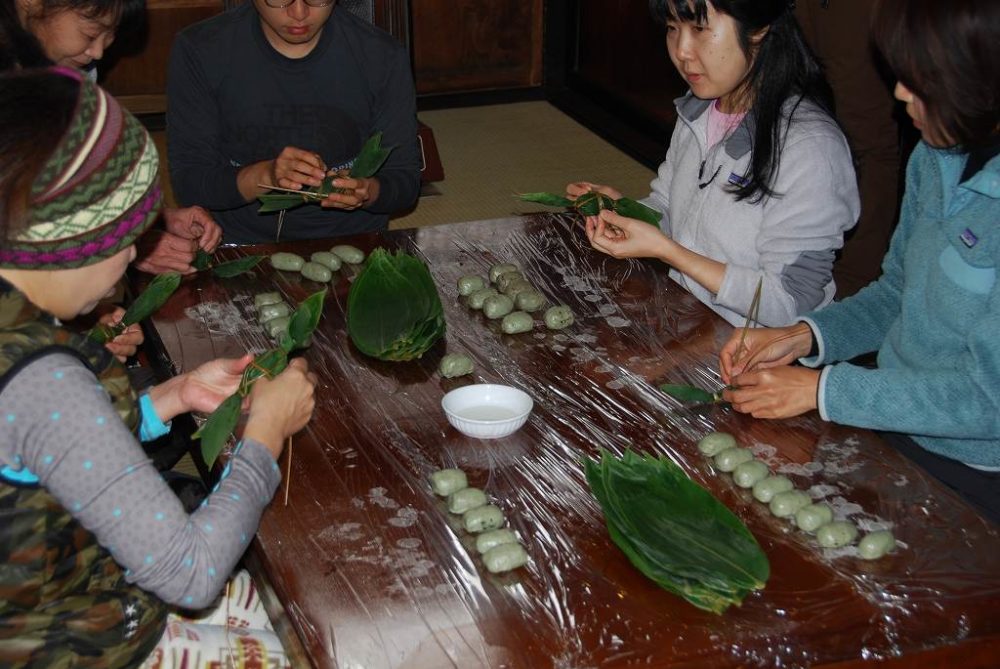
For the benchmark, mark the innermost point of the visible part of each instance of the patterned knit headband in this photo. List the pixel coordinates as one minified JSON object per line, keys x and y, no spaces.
{"x":97,"y":192}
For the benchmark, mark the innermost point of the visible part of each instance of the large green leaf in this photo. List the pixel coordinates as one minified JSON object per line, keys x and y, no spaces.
{"x":272,"y":202}
{"x":591,"y":204}
{"x":371,"y":158}
{"x":691,"y":394}
{"x":156,"y":294}
{"x":304,"y":321}
{"x":269,"y":363}
{"x":215,"y":432}
{"x":394,"y":310}
{"x":549,"y":199}
{"x":675,"y":532}
{"x":629,"y":208}
{"x":236,"y":267}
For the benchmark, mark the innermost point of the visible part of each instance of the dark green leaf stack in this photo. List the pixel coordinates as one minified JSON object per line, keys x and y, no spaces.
{"x":394,"y":311}
{"x":591,"y":204}
{"x":156,"y":294}
{"x":675,"y":532}
{"x":215,"y":432}
{"x":366,"y":164}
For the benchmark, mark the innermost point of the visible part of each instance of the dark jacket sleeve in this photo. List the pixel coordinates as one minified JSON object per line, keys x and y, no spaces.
{"x":396,"y":117}
{"x":199,"y":172}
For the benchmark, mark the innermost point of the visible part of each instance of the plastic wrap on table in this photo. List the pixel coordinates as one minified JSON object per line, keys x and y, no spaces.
{"x":365,"y":541}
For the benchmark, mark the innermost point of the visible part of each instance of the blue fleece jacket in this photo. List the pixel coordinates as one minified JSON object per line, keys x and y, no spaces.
{"x":933,"y":316}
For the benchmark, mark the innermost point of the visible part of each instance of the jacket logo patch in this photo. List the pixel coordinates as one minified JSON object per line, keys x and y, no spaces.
{"x":968,"y":238}
{"x":737,"y":180}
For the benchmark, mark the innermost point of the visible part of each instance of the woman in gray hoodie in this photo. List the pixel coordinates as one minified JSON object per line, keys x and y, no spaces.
{"x":758,"y":185}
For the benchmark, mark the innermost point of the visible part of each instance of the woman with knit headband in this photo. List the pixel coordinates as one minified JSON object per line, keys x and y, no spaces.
{"x":95,"y":547}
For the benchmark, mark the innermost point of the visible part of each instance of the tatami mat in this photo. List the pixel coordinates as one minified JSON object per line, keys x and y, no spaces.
{"x":489,"y":153}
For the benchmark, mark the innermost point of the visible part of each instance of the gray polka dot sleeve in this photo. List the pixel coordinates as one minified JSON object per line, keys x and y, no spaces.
{"x":59,"y":423}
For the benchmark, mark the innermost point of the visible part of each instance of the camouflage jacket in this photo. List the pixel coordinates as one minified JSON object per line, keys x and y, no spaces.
{"x":64,"y":602}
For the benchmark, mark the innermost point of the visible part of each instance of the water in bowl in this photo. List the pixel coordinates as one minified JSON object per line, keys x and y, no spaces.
{"x":487,"y":412}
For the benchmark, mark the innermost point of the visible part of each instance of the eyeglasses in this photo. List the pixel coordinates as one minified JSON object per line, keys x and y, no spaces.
{"x":281,"y":4}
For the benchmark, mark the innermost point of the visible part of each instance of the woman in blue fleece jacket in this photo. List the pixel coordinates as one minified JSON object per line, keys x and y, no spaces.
{"x":934,"y":316}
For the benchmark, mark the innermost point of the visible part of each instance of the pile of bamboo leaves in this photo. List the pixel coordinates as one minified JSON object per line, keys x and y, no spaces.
{"x":675,"y":532}
{"x":394,"y":311}
{"x":591,"y":204}
{"x":215,"y":432}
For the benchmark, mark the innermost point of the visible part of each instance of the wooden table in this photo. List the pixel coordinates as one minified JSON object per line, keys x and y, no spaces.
{"x":372,"y":572}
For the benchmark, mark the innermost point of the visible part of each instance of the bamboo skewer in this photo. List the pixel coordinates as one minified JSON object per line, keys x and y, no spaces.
{"x":752,"y":318}
{"x":306,"y":194}
{"x":288,"y":472}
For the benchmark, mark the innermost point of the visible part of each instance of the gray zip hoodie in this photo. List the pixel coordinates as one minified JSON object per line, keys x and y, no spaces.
{"x":789,"y":239}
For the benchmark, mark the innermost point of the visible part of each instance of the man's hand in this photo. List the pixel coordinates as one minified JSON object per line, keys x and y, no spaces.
{"x":361,"y":192}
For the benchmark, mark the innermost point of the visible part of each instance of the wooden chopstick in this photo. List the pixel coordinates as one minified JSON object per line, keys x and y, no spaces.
{"x":752,"y":318}
{"x":288,"y":472}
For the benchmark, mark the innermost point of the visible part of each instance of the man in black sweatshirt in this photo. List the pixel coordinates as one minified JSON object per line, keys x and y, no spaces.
{"x":278,"y":93}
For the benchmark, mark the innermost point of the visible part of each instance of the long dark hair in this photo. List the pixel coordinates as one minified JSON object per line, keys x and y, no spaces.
{"x":20,"y":48}
{"x":783,"y":68}
{"x":948,"y":54}
{"x":35,"y":110}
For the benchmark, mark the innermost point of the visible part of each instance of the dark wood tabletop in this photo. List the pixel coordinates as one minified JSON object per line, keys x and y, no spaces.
{"x":371,"y":571}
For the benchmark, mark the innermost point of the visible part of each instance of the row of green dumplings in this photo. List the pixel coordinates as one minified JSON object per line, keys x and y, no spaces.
{"x":498,"y":546}
{"x":784,"y":501}
{"x":321,"y":264}
{"x":273,"y":313}
{"x":511,"y":298}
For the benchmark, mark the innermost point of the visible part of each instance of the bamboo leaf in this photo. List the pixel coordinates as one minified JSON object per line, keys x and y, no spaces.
{"x":215,"y":432}
{"x":272,"y":202}
{"x":152,"y":298}
{"x":202,"y":260}
{"x":156,"y":294}
{"x":236,"y":267}
{"x":631,"y":209}
{"x":591,"y":204}
{"x":691,"y":394}
{"x":549,"y":199}
{"x":102,"y":333}
{"x":304,"y":321}
{"x":371,"y":158}
{"x":270,"y":363}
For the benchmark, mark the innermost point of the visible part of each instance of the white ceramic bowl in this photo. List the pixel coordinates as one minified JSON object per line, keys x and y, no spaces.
{"x":487,"y":411}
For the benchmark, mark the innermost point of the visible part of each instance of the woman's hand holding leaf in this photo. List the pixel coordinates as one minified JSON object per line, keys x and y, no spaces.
{"x":295,"y":168}
{"x":578,"y":188}
{"x":621,"y":237}
{"x":779,"y":392}
{"x":125,"y":344}
{"x":353,"y":193}
{"x":202,"y":389}
{"x":207,"y":386}
{"x":281,"y":406}
{"x":763,"y":348}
